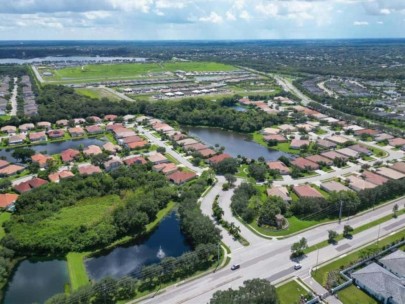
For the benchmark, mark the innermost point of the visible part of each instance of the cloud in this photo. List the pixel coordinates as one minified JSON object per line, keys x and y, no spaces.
{"x":360,"y":23}
{"x":212,"y":18}
{"x":229,"y":16}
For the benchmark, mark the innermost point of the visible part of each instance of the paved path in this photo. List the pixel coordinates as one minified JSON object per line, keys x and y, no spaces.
{"x":13,"y":99}
{"x":116,"y":93}
{"x":37,"y":74}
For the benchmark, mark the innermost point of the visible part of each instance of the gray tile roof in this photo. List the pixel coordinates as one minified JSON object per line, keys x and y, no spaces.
{"x":381,"y":281}
{"x":395,"y":262}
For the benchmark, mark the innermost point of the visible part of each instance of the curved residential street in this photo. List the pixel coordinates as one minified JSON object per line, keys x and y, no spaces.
{"x":13,"y":99}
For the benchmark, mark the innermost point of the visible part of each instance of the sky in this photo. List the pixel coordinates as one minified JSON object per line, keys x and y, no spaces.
{"x":200,"y":19}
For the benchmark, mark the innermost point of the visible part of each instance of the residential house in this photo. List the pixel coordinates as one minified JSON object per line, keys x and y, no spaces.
{"x":3,"y":163}
{"x":187,"y":141}
{"x":26,"y":127}
{"x":218,"y":158}
{"x":306,"y":191}
{"x":110,"y":117}
{"x":69,"y":155}
{"x":111,"y":148}
{"x":157,"y":158}
{"x":11,"y":170}
{"x":94,"y":129}
{"x":383,"y":137}
{"x":181,"y":177}
{"x":136,"y":145}
{"x":369,"y":132}
{"x":9,"y":129}
{"x":334,"y":186}
{"x":134,"y":159}
{"x":395,"y":263}
{"x":92,"y":150}
{"x":37,"y":136}
{"x":275,"y":137}
{"x":79,"y":121}
{"x":7,"y":200}
{"x":44,"y":125}
{"x":386,"y":287}
{"x":76,"y":131}
{"x":338,"y":139}
{"x":41,"y":159}
{"x":285,"y":128}
{"x":165,"y":168}
{"x":299,"y":143}
{"x":56,"y":133}
{"x":323,"y":143}
{"x":358,"y":184}
{"x":320,"y":160}
{"x":304,"y":164}
{"x":62,"y":123}
{"x":349,"y":152}
{"x":30,"y":184}
{"x":57,"y":176}
{"x":334,"y":155}
{"x":94,"y":119}
{"x":205,"y":153}
{"x":396,"y":142}
{"x":113,"y":163}
{"x":16,"y":139}
{"x":399,"y":166}
{"x":280,"y":192}
{"x":195,"y":147}
{"x":373,"y":178}
{"x":390,"y":173}
{"x":270,"y":131}
{"x":88,"y":169}
{"x":361,"y":149}
{"x":279,"y":166}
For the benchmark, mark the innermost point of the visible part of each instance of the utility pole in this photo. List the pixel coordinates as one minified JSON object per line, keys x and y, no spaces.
{"x":340,"y":212}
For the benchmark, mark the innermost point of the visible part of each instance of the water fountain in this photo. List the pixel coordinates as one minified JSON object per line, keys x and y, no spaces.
{"x":161,"y":254}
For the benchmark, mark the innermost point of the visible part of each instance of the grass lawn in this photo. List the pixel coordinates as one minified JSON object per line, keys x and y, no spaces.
{"x":285,"y":147}
{"x":258,"y":138}
{"x":171,"y":158}
{"x":321,"y":274}
{"x":5,"y":117}
{"x":290,"y":293}
{"x":354,"y":295}
{"x":97,"y":93}
{"x":100,"y":72}
{"x":4,"y":217}
{"x":77,"y":270}
{"x":295,"y":225}
{"x":243,"y":172}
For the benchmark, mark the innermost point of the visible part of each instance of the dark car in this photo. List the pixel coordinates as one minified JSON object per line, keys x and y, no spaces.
{"x":235,"y":266}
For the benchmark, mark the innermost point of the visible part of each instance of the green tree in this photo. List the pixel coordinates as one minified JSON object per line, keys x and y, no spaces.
{"x":256,"y":291}
{"x":298,"y":248}
{"x":267,"y":214}
{"x":231,"y":179}
{"x":332,"y":235}
{"x":347,"y":231}
{"x":23,"y":154}
{"x":227,"y":166}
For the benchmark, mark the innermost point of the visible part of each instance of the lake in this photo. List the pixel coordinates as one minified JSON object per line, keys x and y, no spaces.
{"x":55,"y":147}
{"x":235,"y":143}
{"x":167,"y":240}
{"x":36,"y":281}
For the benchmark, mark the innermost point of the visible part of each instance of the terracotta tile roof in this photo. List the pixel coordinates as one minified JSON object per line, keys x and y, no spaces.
{"x":94,"y":129}
{"x":298,"y":143}
{"x":373,"y":178}
{"x":165,"y":168}
{"x":303,"y":163}
{"x":41,"y":159}
{"x":3,"y":163}
{"x":181,"y":177}
{"x":130,"y":160}
{"x":333,"y":155}
{"x":396,"y":142}
{"x":89,"y":169}
{"x":278,"y":166}
{"x":218,"y":158}
{"x":281,"y":192}
{"x":57,"y":176}
{"x":7,"y":199}
{"x":56,"y":133}
{"x":320,"y":159}
{"x":196,"y":147}
{"x":30,"y":184}
{"x":92,"y":150}
{"x":306,"y":191}
{"x":326,"y":143}
{"x":358,"y":184}
{"x":334,"y":186}
{"x":157,"y":158}
{"x":275,"y":137}
{"x":399,"y":166}
{"x":130,"y":139}
{"x":37,"y":136}
{"x":76,"y":131}
{"x":110,"y":117}
{"x":69,"y":155}
{"x":11,"y":170}
{"x":206,"y":152}
{"x":366,"y":131}
{"x":390,"y":173}
{"x":136,"y":144}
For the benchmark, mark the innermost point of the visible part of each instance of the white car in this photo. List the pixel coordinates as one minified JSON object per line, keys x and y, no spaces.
{"x":297,"y":266}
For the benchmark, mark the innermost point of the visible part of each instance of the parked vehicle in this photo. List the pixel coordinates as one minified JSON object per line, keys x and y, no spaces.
{"x":297,"y":266}
{"x":235,"y":266}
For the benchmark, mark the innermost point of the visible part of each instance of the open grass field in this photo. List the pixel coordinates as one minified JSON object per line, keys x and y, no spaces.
{"x":290,"y":293}
{"x":104,"y":72}
{"x":97,"y":93}
{"x":77,"y":270}
{"x":90,"y":217}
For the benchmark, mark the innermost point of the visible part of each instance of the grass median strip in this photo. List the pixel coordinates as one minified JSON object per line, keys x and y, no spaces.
{"x":355,"y":231}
